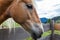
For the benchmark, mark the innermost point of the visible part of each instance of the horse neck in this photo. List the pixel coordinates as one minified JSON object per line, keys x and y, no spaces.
{"x":4,"y":4}
{"x":3,"y":17}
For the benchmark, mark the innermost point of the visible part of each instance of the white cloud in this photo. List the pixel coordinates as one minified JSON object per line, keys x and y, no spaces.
{"x":47,"y":8}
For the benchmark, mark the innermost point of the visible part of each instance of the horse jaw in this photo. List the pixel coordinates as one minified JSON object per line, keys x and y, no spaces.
{"x":33,"y":28}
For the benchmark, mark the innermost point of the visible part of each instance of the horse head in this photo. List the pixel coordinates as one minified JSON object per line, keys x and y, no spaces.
{"x":33,"y":22}
{"x":23,"y":12}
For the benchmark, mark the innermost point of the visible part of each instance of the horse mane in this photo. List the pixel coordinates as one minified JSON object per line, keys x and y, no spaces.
{"x":4,"y":4}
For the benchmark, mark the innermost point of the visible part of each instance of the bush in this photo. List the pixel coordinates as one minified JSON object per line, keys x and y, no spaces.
{"x":49,"y":20}
{"x":58,"y":21}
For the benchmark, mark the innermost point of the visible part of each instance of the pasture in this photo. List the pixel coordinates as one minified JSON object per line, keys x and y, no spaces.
{"x":21,"y":34}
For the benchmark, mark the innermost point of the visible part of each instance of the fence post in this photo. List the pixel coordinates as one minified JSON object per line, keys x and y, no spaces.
{"x":52,"y":29}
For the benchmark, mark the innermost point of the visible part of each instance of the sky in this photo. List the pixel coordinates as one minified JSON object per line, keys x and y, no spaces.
{"x":47,"y":8}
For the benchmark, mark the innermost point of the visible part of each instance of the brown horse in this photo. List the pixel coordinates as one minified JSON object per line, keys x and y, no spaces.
{"x":23,"y":12}
{"x":57,"y":26}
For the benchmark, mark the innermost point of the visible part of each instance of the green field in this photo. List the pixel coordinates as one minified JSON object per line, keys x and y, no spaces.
{"x":12,"y":23}
{"x":45,"y":34}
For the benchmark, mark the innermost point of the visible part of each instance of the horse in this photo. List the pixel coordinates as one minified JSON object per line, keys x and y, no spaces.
{"x":24,"y":13}
{"x":57,"y":26}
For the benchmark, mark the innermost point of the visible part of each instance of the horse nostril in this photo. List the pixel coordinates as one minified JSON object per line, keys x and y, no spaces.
{"x":40,"y":34}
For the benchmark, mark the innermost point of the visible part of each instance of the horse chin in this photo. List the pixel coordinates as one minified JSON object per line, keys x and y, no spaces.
{"x":36,"y":36}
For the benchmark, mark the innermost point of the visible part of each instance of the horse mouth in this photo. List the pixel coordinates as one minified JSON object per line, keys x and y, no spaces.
{"x":35,"y":36}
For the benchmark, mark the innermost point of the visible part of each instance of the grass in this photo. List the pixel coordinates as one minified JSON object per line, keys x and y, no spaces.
{"x":30,"y":38}
{"x":12,"y":23}
{"x":45,"y":34}
{"x":57,"y":32}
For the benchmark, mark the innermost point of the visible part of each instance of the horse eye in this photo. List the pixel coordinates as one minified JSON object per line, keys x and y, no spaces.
{"x":29,"y":6}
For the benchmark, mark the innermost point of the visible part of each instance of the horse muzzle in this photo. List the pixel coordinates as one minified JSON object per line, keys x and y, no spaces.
{"x":36,"y":31}
{"x":36,"y":36}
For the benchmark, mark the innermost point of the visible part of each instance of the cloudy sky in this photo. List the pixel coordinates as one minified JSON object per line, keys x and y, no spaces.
{"x":48,"y":8}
